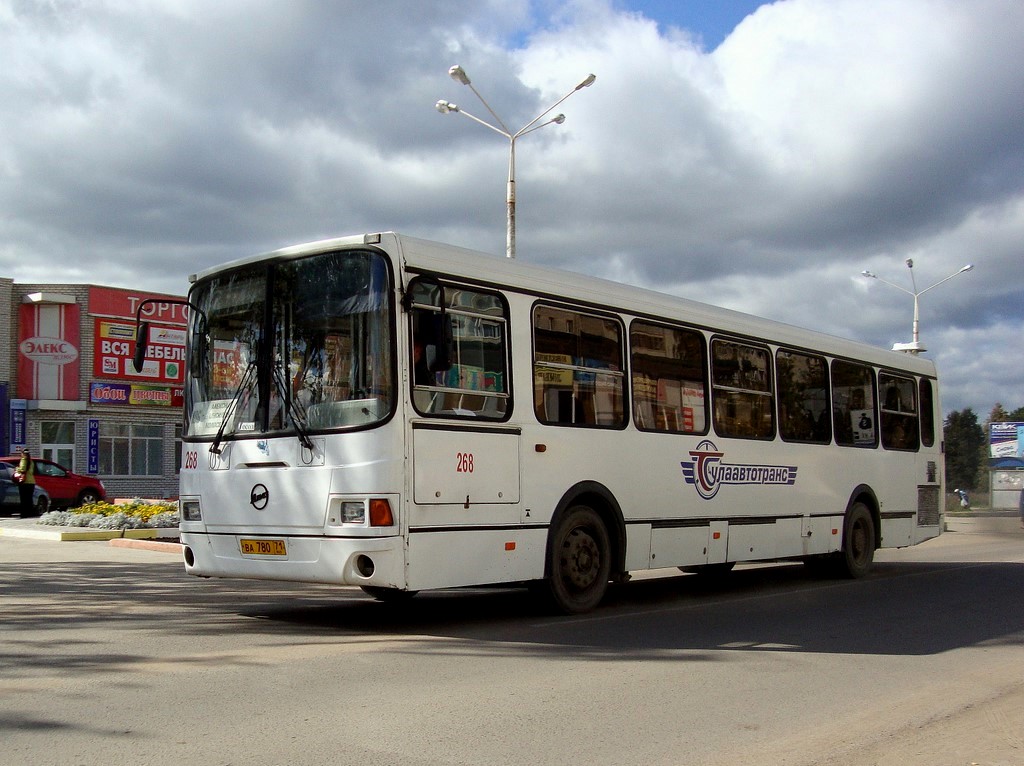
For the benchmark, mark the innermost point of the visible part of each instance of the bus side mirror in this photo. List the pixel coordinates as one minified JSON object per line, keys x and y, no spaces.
{"x":198,"y":354}
{"x":432,"y":330}
{"x":142,"y":333}
{"x":141,"y":342}
{"x":439,"y":353}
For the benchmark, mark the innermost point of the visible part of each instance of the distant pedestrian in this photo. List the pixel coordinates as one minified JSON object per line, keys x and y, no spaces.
{"x":26,"y":470}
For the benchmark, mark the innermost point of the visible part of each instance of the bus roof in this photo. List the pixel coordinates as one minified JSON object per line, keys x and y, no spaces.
{"x":428,"y":257}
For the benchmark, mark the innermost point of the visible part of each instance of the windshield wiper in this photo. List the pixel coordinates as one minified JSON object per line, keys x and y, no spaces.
{"x":296,"y":413}
{"x":247,"y":379}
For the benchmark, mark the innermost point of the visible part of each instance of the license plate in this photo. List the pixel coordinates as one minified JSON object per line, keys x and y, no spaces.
{"x":263,"y":547}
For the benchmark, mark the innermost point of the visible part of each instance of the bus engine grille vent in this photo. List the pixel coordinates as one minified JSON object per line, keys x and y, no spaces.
{"x":928,"y":506}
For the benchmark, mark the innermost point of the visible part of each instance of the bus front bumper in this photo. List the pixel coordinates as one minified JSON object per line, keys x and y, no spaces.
{"x":370,"y":561}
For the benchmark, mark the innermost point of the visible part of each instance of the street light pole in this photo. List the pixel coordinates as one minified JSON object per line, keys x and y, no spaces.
{"x":914,"y":347}
{"x":458,"y":74}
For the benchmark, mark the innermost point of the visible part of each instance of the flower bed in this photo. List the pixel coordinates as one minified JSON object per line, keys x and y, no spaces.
{"x":136,"y":514}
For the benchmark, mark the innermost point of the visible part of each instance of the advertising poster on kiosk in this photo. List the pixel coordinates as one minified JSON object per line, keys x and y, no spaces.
{"x":162,"y":376}
{"x":1006,"y":463}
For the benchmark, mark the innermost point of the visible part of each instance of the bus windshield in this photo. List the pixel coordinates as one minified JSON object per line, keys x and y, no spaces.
{"x":292,"y":346}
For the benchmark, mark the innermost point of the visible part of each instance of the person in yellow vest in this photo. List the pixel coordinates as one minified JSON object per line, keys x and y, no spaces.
{"x":27,"y":485}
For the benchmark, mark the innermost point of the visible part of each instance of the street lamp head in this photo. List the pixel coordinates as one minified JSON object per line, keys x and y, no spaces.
{"x":915,"y":347}
{"x":458,"y":74}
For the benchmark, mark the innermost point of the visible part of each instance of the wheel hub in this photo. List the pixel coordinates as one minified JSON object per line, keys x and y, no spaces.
{"x":582,"y":558}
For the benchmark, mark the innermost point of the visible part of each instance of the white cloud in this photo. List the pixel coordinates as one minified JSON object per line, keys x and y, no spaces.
{"x":139,"y":143}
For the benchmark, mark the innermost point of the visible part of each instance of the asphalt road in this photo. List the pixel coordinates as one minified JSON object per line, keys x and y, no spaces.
{"x":114,"y":656}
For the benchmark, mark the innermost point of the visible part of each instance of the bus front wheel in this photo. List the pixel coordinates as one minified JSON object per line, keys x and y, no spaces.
{"x":391,"y":595}
{"x":579,"y":561}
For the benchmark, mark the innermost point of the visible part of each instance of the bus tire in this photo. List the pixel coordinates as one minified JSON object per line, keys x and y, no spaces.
{"x":579,"y":561}
{"x":388,"y":595}
{"x":859,"y":535}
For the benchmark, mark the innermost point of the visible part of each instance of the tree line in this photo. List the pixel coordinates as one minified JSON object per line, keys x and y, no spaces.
{"x":967,"y":446}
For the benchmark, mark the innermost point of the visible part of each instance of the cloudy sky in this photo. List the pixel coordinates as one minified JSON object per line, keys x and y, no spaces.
{"x":755,"y":156}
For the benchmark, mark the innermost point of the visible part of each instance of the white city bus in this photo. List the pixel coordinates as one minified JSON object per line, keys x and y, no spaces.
{"x":400,"y":415}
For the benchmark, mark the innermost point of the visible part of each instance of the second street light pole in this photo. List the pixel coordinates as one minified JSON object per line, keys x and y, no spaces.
{"x":445,"y":107}
{"x":914,"y":347}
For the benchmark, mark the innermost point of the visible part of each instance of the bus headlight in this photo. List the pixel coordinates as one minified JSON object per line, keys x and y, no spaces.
{"x":190,"y":511}
{"x":353,"y":512}
{"x":368,"y":512}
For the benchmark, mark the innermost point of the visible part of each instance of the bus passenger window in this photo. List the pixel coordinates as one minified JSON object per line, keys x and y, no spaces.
{"x":669,"y":380}
{"x":577,"y":369}
{"x":741,"y":380}
{"x":854,"y":414}
{"x":927,"y":407}
{"x":899,"y":412}
{"x":802,"y":381}
{"x":458,"y":357}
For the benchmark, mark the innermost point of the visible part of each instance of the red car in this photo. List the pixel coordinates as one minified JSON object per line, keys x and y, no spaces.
{"x":64,"y":487}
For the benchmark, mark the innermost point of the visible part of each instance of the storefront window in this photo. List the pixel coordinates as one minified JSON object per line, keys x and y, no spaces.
{"x":57,"y":442}
{"x":131,"y":450}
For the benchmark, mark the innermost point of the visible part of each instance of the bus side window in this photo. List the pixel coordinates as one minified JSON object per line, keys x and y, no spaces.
{"x":899,"y":412}
{"x":577,"y":369}
{"x":927,"y":405}
{"x":741,"y":381}
{"x":802,"y":381}
{"x":854,"y":413}
{"x":670,"y":387}
{"x":459,"y":356}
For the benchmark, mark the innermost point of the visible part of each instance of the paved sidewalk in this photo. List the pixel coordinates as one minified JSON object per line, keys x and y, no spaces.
{"x":151,"y":539}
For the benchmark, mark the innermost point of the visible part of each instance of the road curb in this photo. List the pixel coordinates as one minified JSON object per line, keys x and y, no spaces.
{"x":984,"y":524}
{"x":147,"y":545}
{"x":65,"y":534}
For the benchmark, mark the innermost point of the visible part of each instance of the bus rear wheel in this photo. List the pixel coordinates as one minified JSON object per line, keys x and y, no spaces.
{"x":858,"y":553}
{"x":579,"y":562}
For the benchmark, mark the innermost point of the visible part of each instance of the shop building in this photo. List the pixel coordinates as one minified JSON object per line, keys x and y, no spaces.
{"x":69,"y":392}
